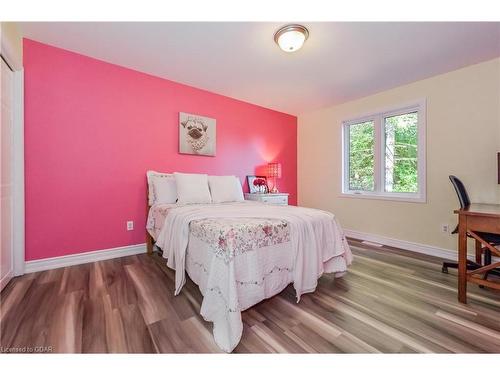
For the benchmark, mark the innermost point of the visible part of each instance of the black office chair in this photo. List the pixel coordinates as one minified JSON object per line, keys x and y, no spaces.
{"x":492,"y":238}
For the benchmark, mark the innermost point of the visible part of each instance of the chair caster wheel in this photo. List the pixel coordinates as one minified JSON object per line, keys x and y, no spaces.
{"x":482,"y":286}
{"x":444,"y":270}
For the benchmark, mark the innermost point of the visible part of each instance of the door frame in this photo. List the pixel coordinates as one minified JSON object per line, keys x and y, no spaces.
{"x":18,"y":193}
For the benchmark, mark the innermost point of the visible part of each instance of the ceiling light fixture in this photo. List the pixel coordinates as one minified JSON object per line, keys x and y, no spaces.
{"x":290,"y":38}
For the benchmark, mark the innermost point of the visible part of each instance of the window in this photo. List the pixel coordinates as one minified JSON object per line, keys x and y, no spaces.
{"x":384,"y":155}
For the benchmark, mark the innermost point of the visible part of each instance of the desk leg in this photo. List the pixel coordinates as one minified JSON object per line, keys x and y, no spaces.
{"x":462,"y":259}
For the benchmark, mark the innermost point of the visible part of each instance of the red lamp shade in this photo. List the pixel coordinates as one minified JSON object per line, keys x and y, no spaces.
{"x":274,"y":170}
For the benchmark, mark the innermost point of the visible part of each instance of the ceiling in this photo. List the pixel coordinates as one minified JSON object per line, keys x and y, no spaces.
{"x":339,"y":61}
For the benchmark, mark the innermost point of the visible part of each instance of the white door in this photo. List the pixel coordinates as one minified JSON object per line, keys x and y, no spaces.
{"x":6,"y":246}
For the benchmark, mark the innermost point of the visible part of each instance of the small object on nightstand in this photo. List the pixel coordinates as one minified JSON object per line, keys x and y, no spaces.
{"x":279,"y":198}
{"x":257,"y":184}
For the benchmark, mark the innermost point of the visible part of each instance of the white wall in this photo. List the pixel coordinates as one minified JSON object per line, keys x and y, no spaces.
{"x":463,"y":137}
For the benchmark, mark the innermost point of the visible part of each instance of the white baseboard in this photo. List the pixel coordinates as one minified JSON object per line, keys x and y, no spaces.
{"x":405,"y":245}
{"x":81,"y":258}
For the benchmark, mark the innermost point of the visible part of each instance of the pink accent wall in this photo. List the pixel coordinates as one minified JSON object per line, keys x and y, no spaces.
{"x":92,"y":129}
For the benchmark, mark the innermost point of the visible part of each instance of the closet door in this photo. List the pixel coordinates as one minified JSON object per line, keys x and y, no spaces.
{"x":6,"y":250}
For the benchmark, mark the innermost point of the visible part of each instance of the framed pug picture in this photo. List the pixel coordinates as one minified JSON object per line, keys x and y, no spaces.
{"x":197,"y":135}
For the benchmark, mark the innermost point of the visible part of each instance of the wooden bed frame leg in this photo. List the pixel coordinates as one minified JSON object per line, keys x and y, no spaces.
{"x":149,"y":243}
{"x":149,"y":239}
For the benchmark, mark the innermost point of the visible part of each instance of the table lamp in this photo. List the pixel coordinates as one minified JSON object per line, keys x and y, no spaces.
{"x":274,"y":172}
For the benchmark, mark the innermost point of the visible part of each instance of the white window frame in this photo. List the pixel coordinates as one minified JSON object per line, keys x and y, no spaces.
{"x":379,"y":154}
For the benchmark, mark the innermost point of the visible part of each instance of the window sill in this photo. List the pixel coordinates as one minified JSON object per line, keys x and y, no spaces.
{"x":396,"y":198}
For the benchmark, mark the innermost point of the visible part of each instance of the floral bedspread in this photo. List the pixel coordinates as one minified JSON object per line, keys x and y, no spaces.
{"x":156,"y":218}
{"x":234,"y":236}
{"x":229,"y":236}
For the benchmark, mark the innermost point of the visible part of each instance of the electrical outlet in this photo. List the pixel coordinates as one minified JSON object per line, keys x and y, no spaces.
{"x":445,"y":228}
{"x":130,"y":225}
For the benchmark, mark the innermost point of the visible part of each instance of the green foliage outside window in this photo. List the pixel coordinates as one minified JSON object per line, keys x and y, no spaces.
{"x":401,"y":135}
{"x":361,"y":152}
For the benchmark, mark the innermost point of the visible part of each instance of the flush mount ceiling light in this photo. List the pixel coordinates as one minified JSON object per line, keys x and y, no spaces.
{"x":290,"y":38}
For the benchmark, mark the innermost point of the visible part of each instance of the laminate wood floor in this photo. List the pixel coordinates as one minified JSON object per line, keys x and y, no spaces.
{"x":388,"y":302}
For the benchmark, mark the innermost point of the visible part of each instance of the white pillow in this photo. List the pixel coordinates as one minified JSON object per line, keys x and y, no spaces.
{"x":225,"y":189}
{"x":161,"y":187}
{"x":192,"y":188}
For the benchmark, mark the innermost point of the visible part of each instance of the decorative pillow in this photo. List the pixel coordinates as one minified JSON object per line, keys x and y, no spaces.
{"x":192,"y":188}
{"x":161,"y":187}
{"x":225,"y":189}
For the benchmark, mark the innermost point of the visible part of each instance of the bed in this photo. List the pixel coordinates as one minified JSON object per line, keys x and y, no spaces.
{"x":240,"y":253}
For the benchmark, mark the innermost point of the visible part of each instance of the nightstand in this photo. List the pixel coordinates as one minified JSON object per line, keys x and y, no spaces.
{"x":278,"y":198}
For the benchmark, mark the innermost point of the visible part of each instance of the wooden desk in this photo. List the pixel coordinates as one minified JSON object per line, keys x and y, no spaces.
{"x":476,"y":217}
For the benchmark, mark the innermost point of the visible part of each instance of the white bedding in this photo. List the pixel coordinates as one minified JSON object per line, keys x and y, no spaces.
{"x":241,"y":253}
